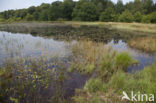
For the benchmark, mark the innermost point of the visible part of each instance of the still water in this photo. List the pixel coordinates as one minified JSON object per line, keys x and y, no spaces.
{"x":26,"y":45}
{"x":14,"y":45}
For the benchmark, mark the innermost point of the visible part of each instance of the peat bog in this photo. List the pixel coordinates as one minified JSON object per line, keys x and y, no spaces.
{"x":57,"y":62}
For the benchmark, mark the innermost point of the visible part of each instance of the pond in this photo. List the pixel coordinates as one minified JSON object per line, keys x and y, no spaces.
{"x":26,"y":45}
{"x":14,"y":45}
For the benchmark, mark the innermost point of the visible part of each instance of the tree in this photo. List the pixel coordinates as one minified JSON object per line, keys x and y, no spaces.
{"x":119,"y":7}
{"x":36,"y":15}
{"x":67,"y":9}
{"x":31,"y":10}
{"x":137,"y":6}
{"x":150,"y":18}
{"x":85,"y":11}
{"x":108,"y":15}
{"x":29,"y":17}
{"x":138,"y":17}
{"x":148,"y":5}
{"x":44,"y":15}
{"x":126,"y":16}
{"x":55,"y":11}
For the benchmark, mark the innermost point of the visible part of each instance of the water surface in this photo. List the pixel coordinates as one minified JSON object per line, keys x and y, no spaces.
{"x":26,"y":45}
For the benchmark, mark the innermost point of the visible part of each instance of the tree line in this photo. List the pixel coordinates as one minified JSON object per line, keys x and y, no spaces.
{"x":86,"y":10}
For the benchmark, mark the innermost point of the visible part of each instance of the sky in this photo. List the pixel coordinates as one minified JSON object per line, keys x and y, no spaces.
{"x":19,"y":4}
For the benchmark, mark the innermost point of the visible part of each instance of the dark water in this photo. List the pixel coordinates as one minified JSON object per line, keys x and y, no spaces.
{"x":26,"y":45}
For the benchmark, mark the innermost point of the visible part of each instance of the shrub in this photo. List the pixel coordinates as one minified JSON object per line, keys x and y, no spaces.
{"x":126,"y":16}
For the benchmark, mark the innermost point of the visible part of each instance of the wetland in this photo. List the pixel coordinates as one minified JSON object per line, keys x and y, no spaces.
{"x":71,"y":62}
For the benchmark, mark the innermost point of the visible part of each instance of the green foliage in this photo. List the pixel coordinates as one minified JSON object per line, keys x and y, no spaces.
{"x":108,"y":15}
{"x":137,"y":17}
{"x":55,"y":11}
{"x":36,"y":15}
{"x":29,"y":17}
{"x":119,"y":7}
{"x":94,"y":85}
{"x":44,"y":16}
{"x":150,"y":18}
{"x":142,"y":81}
{"x":2,"y":20}
{"x":126,"y":16}
{"x":67,"y":9}
{"x":123,"y":60}
{"x":85,"y":11}
{"x":31,"y":10}
{"x":118,"y":80}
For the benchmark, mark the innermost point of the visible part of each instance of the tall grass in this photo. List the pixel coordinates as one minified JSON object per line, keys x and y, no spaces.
{"x":111,"y":92}
{"x":147,"y":44}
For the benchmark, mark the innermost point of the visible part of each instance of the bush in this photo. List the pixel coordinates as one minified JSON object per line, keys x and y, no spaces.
{"x":126,"y":16}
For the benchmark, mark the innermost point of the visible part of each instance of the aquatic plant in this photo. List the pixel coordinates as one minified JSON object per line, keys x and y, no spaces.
{"x":123,"y":60}
{"x":28,"y":80}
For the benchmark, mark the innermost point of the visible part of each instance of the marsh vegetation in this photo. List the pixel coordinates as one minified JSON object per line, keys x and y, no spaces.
{"x":74,"y":62}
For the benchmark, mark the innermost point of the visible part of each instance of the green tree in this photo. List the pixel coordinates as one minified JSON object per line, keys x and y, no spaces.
{"x":55,"y":11}
{"x":108,"y":15}
{"x":148,"y":5}
{"x":44,"y":15}
{"x":67,"y":9}
{"x":85,"y":11}
{"x":36,"y":15}
{"x":150,"y":18}
{"x":31,"y":10}
{"x":138,"y":17}
{"x":126,"y":16}
{"x":29,"y":17}
{"x":119,"y":7}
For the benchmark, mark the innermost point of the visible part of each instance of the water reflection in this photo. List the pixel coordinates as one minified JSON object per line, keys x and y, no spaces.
{"x":25,"y":45}
{"x":12,"y":45}
{"x":144,"y":59}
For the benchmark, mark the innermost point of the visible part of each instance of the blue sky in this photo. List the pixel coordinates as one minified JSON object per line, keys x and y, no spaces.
{"x":18,"y":4}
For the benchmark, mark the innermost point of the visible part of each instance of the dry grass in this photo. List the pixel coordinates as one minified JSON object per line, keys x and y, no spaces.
{"x":147,"y":44}
{"x":139,"y":27}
